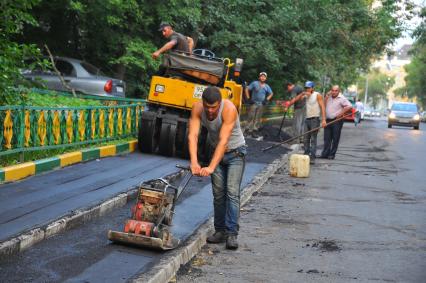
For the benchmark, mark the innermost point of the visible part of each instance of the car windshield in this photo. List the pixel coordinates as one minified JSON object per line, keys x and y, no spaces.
{"x":405,"y":107}
{"x":91,"y":69}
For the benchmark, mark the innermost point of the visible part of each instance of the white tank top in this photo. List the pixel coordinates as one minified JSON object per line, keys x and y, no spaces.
{"x":213,"y":127}
{"x":312,"y":106}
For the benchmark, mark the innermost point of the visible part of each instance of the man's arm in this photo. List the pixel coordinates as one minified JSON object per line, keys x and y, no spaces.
{"x":322,"y":107}
{"x":194,"y":130}
{"x":190,"y":43}
{"x":295,"y":99}
{"x":169,"y":45}
{"x":268,"y":98}
{"x":247,"y":93}
{"x":346,"y":107}
{"x":229,"y":116}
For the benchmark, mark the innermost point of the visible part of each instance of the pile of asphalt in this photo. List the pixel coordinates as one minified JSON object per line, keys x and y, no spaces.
{"x":272,"y":133}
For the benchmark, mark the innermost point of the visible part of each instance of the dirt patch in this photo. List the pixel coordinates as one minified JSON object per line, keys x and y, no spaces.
{"x":272,"y":194}
{"x":326,"y":246}
{"x":288,"y":221}
{"x":188,"y":270}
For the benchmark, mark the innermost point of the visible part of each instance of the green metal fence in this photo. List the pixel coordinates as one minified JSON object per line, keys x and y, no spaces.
{"x":27,"y":128}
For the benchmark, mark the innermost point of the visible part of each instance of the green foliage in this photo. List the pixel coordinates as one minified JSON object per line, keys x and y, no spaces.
{"x":300,"y":40}
{"x":291,"y":40}
{"x":378,"y":86}
{"x":15,"y":14}
{"x":52,"y":100}
{"x":416,"y":70}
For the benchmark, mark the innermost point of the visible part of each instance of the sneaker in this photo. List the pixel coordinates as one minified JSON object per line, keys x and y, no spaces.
{"x":312,"y":161}
{"x":231,"y":242}
{"x":330,"y":157}
{"x":217,"y":237}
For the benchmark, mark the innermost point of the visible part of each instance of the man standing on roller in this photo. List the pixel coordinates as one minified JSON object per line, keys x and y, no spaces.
{"x":220,"y":118}
{"x":177,"y":41}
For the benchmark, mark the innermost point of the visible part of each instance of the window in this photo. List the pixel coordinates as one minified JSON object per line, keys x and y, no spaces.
{"x":405,"y":107}
{"x":91,"y":69}
{"x":65,"y":68}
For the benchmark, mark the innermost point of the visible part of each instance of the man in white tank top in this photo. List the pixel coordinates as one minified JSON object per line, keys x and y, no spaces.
{"x":314,"y":109}
{"x":220,"y":118}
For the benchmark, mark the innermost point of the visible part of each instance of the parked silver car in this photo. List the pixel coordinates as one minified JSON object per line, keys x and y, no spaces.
{"x":404,"y":114}
{"x":79,"y":75}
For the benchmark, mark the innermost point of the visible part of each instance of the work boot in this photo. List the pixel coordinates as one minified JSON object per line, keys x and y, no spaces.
{"x":231,"y":242}
{"x":217,"y":237}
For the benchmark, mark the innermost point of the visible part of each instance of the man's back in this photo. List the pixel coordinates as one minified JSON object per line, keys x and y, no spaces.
{"x":181,"y":42}
{"x":359,"y":106}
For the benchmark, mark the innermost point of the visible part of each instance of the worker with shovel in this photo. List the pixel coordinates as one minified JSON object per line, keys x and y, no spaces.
{"x":336,"y":107}
{"x":314,"y":109}
{"x":226,"y":167}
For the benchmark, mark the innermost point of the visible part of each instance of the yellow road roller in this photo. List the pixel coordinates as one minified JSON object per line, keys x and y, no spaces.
{"x":163,"y":128}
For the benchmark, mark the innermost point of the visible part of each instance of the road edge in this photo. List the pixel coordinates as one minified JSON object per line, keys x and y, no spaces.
{"x":167,"y":268}
{"x":31,"y":168}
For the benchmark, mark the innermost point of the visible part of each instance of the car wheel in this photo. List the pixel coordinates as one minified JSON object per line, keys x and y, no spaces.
{"x":389,"y":126}
{"x":416,"y":127}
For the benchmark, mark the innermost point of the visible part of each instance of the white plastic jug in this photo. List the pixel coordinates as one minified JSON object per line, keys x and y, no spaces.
{"x":299,"y":165}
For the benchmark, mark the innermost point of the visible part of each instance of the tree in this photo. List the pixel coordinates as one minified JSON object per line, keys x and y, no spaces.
{"x":15,"y":13}
{"x":300,"y":40}
{"x":416,"y":70}
{"x":291,"y":40}
{"x":378,"y":86}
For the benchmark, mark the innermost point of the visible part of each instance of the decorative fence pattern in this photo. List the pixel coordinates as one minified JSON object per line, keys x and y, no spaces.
{"x":26,"y":128}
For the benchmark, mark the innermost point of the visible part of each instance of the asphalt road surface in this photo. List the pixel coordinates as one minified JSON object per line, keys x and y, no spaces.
{"x":358,"y":218}
{"x":84,"y":254}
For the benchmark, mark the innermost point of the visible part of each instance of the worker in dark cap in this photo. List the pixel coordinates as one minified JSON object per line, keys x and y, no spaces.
{"x":177,"y":41}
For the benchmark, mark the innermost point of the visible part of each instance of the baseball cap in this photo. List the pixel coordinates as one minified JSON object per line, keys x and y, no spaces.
{"x":309,"y":84}
{"x":263,"y":74}
{"x":163,"y":25}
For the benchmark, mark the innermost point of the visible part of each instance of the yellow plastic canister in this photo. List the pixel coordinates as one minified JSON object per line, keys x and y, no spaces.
{"x":299,"y":165}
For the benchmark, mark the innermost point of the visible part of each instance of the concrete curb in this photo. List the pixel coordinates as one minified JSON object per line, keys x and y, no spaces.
{"x":77,"y":217}
{"x":165,"y":270}
{"x":21,"y":171}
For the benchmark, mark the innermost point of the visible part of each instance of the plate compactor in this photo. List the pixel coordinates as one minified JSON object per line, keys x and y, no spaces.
{"x":152,"y":215}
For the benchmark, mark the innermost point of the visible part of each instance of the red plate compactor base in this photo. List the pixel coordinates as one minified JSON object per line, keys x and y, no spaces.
{"x":152,"y":215}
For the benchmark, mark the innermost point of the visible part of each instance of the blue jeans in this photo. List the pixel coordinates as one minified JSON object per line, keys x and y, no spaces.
{"x":226,"y":182}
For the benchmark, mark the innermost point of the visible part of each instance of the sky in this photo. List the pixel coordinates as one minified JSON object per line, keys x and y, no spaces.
{"x":411,"y":25}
